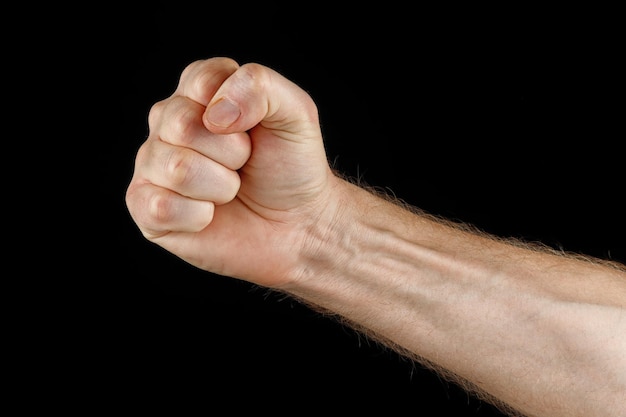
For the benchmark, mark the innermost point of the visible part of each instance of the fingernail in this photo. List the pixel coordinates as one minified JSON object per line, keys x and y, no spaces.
{"x":223,"y":113}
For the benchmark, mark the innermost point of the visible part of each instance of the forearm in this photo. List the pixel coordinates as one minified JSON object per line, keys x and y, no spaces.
{"x":545,"y":334}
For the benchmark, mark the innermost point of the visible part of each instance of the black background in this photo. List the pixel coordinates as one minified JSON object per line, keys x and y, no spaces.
{"x":511,"y":120}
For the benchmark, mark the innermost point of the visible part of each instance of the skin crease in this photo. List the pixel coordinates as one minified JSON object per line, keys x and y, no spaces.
{"x":235,"y":168}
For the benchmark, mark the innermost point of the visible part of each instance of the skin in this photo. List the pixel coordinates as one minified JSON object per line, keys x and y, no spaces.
{"x":235,"y":168}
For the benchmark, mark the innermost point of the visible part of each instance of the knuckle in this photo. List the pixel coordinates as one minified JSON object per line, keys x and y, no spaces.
{"x":204,"y":77}
{"x":190,"y":68}
{"x":178,"y":167}
{"x":253,"y":73}
{"x":143,"y":153}
{"x":183,"y":122}
{"x":155,"y":113}
{"x":159,"y":209}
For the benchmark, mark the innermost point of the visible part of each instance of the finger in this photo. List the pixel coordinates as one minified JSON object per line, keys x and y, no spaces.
{"x":200,"y":80}
{"x":157,"y":210}
{"x":256,"y":94}
{"x":179,"y":122}
{"x":186,"y":172}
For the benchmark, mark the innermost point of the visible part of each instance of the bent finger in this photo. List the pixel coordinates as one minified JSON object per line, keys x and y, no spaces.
{"x":201,"y":79}
{"x":179,"y":122}
{"x":157,"y":210}
{"x":186,"y":172}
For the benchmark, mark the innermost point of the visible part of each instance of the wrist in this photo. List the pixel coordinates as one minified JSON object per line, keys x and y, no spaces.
{"x":325,"y":247}
{"x":339,"y":269}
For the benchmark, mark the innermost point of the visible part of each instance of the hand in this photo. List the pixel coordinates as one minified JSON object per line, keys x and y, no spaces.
{"x":233,"y":172}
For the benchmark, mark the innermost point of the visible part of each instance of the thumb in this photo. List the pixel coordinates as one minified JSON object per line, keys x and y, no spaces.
{"x":255,"y":94}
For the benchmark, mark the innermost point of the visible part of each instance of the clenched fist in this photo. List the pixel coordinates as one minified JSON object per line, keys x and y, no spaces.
{"x":233,"y":176}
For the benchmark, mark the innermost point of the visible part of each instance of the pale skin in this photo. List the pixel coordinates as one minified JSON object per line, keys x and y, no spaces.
{"x":234,"y":179}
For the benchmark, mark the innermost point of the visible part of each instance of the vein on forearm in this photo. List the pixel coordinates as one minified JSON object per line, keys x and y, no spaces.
{"x":500,"y":314}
